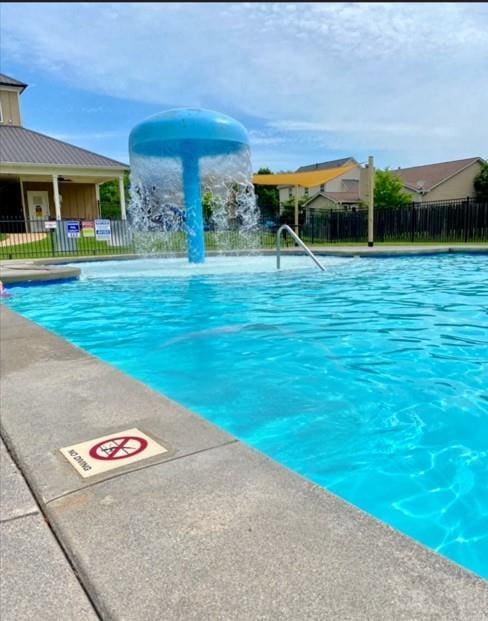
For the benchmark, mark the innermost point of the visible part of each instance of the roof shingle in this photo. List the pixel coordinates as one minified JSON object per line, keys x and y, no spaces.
{"x":6,"y":80}
{"x":24,"y":146}
{"x":430,"y":175}
{"x":325,"y":165}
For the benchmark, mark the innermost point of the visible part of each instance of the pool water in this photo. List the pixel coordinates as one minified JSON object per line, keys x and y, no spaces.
{"x":370,"y":379}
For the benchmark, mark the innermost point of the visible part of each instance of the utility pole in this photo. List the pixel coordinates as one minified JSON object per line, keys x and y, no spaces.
{"x":370,"y":201}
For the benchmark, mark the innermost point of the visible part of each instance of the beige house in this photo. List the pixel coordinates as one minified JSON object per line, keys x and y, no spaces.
{"x":442,"y":181}
{"x":345,"y":180}
{"x":346,"y":201}
{"x":42,"y":178}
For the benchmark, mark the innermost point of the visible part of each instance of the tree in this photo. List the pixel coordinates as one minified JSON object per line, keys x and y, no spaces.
{"x":288,"y":211}
{"x":481,"y":184}
{"x":267,"y":197}
{"x":388,"y":190}
{"x":110,"y":198}
{"x":208,"y":203}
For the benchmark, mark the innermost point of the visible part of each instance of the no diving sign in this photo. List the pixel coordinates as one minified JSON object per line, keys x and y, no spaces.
{"x":111,"y":451}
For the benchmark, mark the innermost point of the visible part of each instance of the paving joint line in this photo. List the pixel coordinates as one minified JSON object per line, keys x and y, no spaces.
{"x":138,"y":469}
{"x":19,"y":517}
{"x":57,"y":539}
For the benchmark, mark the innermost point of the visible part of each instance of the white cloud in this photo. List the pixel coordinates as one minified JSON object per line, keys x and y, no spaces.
{"x":85,"y":136}
{"x":410,"y":79}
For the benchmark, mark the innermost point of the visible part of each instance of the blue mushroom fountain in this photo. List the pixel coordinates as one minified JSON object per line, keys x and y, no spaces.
{"x":189,"y":134}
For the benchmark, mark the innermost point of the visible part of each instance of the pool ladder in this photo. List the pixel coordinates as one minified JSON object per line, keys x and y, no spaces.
{"x":285,"y":227}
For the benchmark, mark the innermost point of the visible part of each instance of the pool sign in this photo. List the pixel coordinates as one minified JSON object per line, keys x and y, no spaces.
{"x":111,"y":451}
{"x":49,"y":225}
{"x":72,"y":228}
{"x":103,"y":230}
{"x":118,"y":448}
{"x":88,"y":228}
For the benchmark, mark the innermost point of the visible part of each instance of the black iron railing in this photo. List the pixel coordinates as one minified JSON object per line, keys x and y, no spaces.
{"x":39,"y":238}
{"x":443,"y":221}
{"x":440,"y":221}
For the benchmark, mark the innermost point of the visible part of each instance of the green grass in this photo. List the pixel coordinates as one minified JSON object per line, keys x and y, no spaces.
{"x":154,"y":244}
{"x":44,"y":248}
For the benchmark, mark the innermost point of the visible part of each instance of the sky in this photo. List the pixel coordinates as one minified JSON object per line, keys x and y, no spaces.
{"x":406,"y":83}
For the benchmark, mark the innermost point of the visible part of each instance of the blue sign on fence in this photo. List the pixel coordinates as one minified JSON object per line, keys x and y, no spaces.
{"x":103,"y":230}
{"x":72,"y":229}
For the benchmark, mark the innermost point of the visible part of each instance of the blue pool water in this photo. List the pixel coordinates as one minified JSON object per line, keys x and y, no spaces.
{"x":370,"y":379}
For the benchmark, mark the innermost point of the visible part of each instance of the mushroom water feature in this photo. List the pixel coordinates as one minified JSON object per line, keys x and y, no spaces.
{"x":171,"y":154}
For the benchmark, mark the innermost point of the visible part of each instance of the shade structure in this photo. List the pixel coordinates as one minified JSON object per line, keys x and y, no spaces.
{"x":305,"y":179}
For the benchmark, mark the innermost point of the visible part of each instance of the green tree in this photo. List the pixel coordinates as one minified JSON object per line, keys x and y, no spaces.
{"x":481,"y":184}
{"x":267,"y":197}
{"x":288,"y":210}
{"x":207,"y":206}
{"x":388,"y":190}
{"x":110,"y":197}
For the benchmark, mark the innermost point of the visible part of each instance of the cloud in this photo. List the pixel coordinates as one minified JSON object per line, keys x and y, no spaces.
{"x":410,"y":79}
{"x":85,"y":136}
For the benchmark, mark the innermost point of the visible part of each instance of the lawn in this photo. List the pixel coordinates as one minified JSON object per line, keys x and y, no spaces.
{"x":148,"y":243}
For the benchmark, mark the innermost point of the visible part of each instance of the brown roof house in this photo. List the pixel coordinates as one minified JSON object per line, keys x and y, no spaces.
{"x":440,"y":182}
{"x":342,"y":185}
{"x":42,"y":178}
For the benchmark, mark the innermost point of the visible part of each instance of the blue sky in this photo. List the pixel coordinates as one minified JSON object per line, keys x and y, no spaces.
{"x":406,"y":83}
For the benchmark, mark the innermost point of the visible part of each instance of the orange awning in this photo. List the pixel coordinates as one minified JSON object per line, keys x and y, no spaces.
{"x":303,"y":179}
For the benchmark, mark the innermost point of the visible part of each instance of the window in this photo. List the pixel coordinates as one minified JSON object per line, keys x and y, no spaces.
{"x":305,"y":192}
{"x":322,"y":187}
{"x":290,"y":193}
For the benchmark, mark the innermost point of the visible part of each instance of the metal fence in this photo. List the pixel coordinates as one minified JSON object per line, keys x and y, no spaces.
{"x":21,"y":239}
{"x":440,"y":221}
{"x":449,"y":221}
{"x":64,"y":238}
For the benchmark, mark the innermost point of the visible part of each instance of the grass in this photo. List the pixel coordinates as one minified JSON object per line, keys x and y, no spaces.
{"x":156,"y":243}
{"x":43,"y":248}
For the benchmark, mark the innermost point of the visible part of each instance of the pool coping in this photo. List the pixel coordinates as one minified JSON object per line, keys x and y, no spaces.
{"x":14,"y":271}
{"x":350,"y":565}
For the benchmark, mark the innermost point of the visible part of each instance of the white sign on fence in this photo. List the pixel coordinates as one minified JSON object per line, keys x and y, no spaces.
{"x":103,"y":230}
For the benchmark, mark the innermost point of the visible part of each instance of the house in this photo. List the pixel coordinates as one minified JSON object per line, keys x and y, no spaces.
{"x":442,"y":181}
{"x":345,"y":200}
{"x":43,"y":178}
{"x":342,"y":175}
{"x":345,"y":161}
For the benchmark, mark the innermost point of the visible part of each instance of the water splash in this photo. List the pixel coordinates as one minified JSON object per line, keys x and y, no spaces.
{"x":156,"y":210}
{"x":188,"y":163}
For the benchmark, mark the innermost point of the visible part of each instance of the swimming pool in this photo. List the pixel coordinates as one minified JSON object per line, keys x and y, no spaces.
{"x":370,"y":379}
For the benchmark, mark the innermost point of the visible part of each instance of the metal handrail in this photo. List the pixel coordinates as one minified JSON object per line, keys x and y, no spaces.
{"x":285,"y":227}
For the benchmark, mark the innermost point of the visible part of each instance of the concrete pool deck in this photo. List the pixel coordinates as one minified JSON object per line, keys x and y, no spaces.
{"x":49,"y":269}
{"x":210,"y":530}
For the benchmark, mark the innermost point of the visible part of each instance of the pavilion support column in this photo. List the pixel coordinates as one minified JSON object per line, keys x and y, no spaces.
{"x":22,"y":198}
{"x":57,"y":200}
{"x":296,"y":211}
{"x":122,"y":198}
{"x":97,"y":198}
{"x":370,"y":201}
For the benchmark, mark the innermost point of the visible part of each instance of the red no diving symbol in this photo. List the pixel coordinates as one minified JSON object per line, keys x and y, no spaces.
{"x":118,"y":448}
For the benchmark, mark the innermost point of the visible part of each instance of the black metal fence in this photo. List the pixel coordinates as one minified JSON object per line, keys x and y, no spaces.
{"x":21,"y":239}
{"x":440,"y":221}
{"x":443,"y":221}
{"x":64,"y":238}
